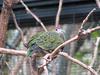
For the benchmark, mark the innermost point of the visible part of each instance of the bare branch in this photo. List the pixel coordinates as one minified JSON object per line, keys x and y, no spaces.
{"x":95,"y":52}
{"x":15,"y":69}
{"x":93,"y":29}
{"x":86,"y":18}
{"x":23,"y":53}
{"x":17,"y":26}
{"x":79,"y":63}
{"x":9,"y":67}
{"x":98,"y":3}
{"x":84,"y":33}
{"x":37,"y":19}
{"x":55,"y":52}
{"x":12,"y":52}
{"x":63,"y":44}
{"x":77,"y":36}
{"x":58,"y":13}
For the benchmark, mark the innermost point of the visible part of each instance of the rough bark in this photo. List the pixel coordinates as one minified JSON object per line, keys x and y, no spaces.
{"x":4,"y":17}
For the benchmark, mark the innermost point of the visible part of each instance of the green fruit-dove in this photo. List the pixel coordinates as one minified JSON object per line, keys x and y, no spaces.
{"x":43,"y":42}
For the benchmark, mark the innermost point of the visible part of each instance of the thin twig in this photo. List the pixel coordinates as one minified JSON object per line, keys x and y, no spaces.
{"x":9,"y":67}
{"x":98,"y":3}
{"x":19,"y":64}
{"x":58,"y":13}
{"x":17,"y":26}
{"x":86,"y":18}
{"x":95,"y":52}
{"x":29,"y":11}
{"x":78,"y":62}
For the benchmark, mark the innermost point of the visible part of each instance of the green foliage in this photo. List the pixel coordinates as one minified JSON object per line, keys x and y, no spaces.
{"x":84,"y":57}
{"x":79,"y":55}
{"x":95,"y":34}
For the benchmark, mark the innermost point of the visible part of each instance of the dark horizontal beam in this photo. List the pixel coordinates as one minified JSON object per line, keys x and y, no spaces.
{"x":45,"y":2}
{"x":48,"y":13}
{"x":46,"y":10}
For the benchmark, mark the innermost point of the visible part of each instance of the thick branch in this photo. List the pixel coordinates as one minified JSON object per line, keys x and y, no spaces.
{"x":79,"y":63}
{"x":62,"y":45}
{"x":12,"y":52}
{"x":84,"y":33}
{"x":4,"y":17}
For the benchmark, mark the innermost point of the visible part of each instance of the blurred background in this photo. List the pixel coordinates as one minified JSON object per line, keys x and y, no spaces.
{"x":72,"y":15}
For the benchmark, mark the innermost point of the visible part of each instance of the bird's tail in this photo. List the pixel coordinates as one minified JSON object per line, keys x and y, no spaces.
{"x":29,"y":53}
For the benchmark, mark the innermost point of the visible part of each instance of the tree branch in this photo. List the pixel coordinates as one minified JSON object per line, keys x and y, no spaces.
{"x":95,"y":52}
{"x":82,"y":34}
{"x":58,"y":14}
{"x":12,"y":52}
{"x":63,"y":44}
{"x":98,"y":3}
{"x":15,"y":69}
{"x":86,"y":18}
{"x":30,"y":12}
{"x":78,"y":62}
{"x":17,"y":26}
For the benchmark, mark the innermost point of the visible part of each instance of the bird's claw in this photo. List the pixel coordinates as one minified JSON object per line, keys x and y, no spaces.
{"x":47,"y":58}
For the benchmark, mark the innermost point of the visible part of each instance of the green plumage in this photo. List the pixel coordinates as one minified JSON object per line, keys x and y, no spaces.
{"x":44,"y":42}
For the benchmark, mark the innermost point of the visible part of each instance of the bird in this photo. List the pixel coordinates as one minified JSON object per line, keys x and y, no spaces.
{"x":43,"y":43}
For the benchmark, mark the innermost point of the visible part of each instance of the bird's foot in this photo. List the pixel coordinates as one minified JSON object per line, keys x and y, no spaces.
{"x":47,"y":59}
